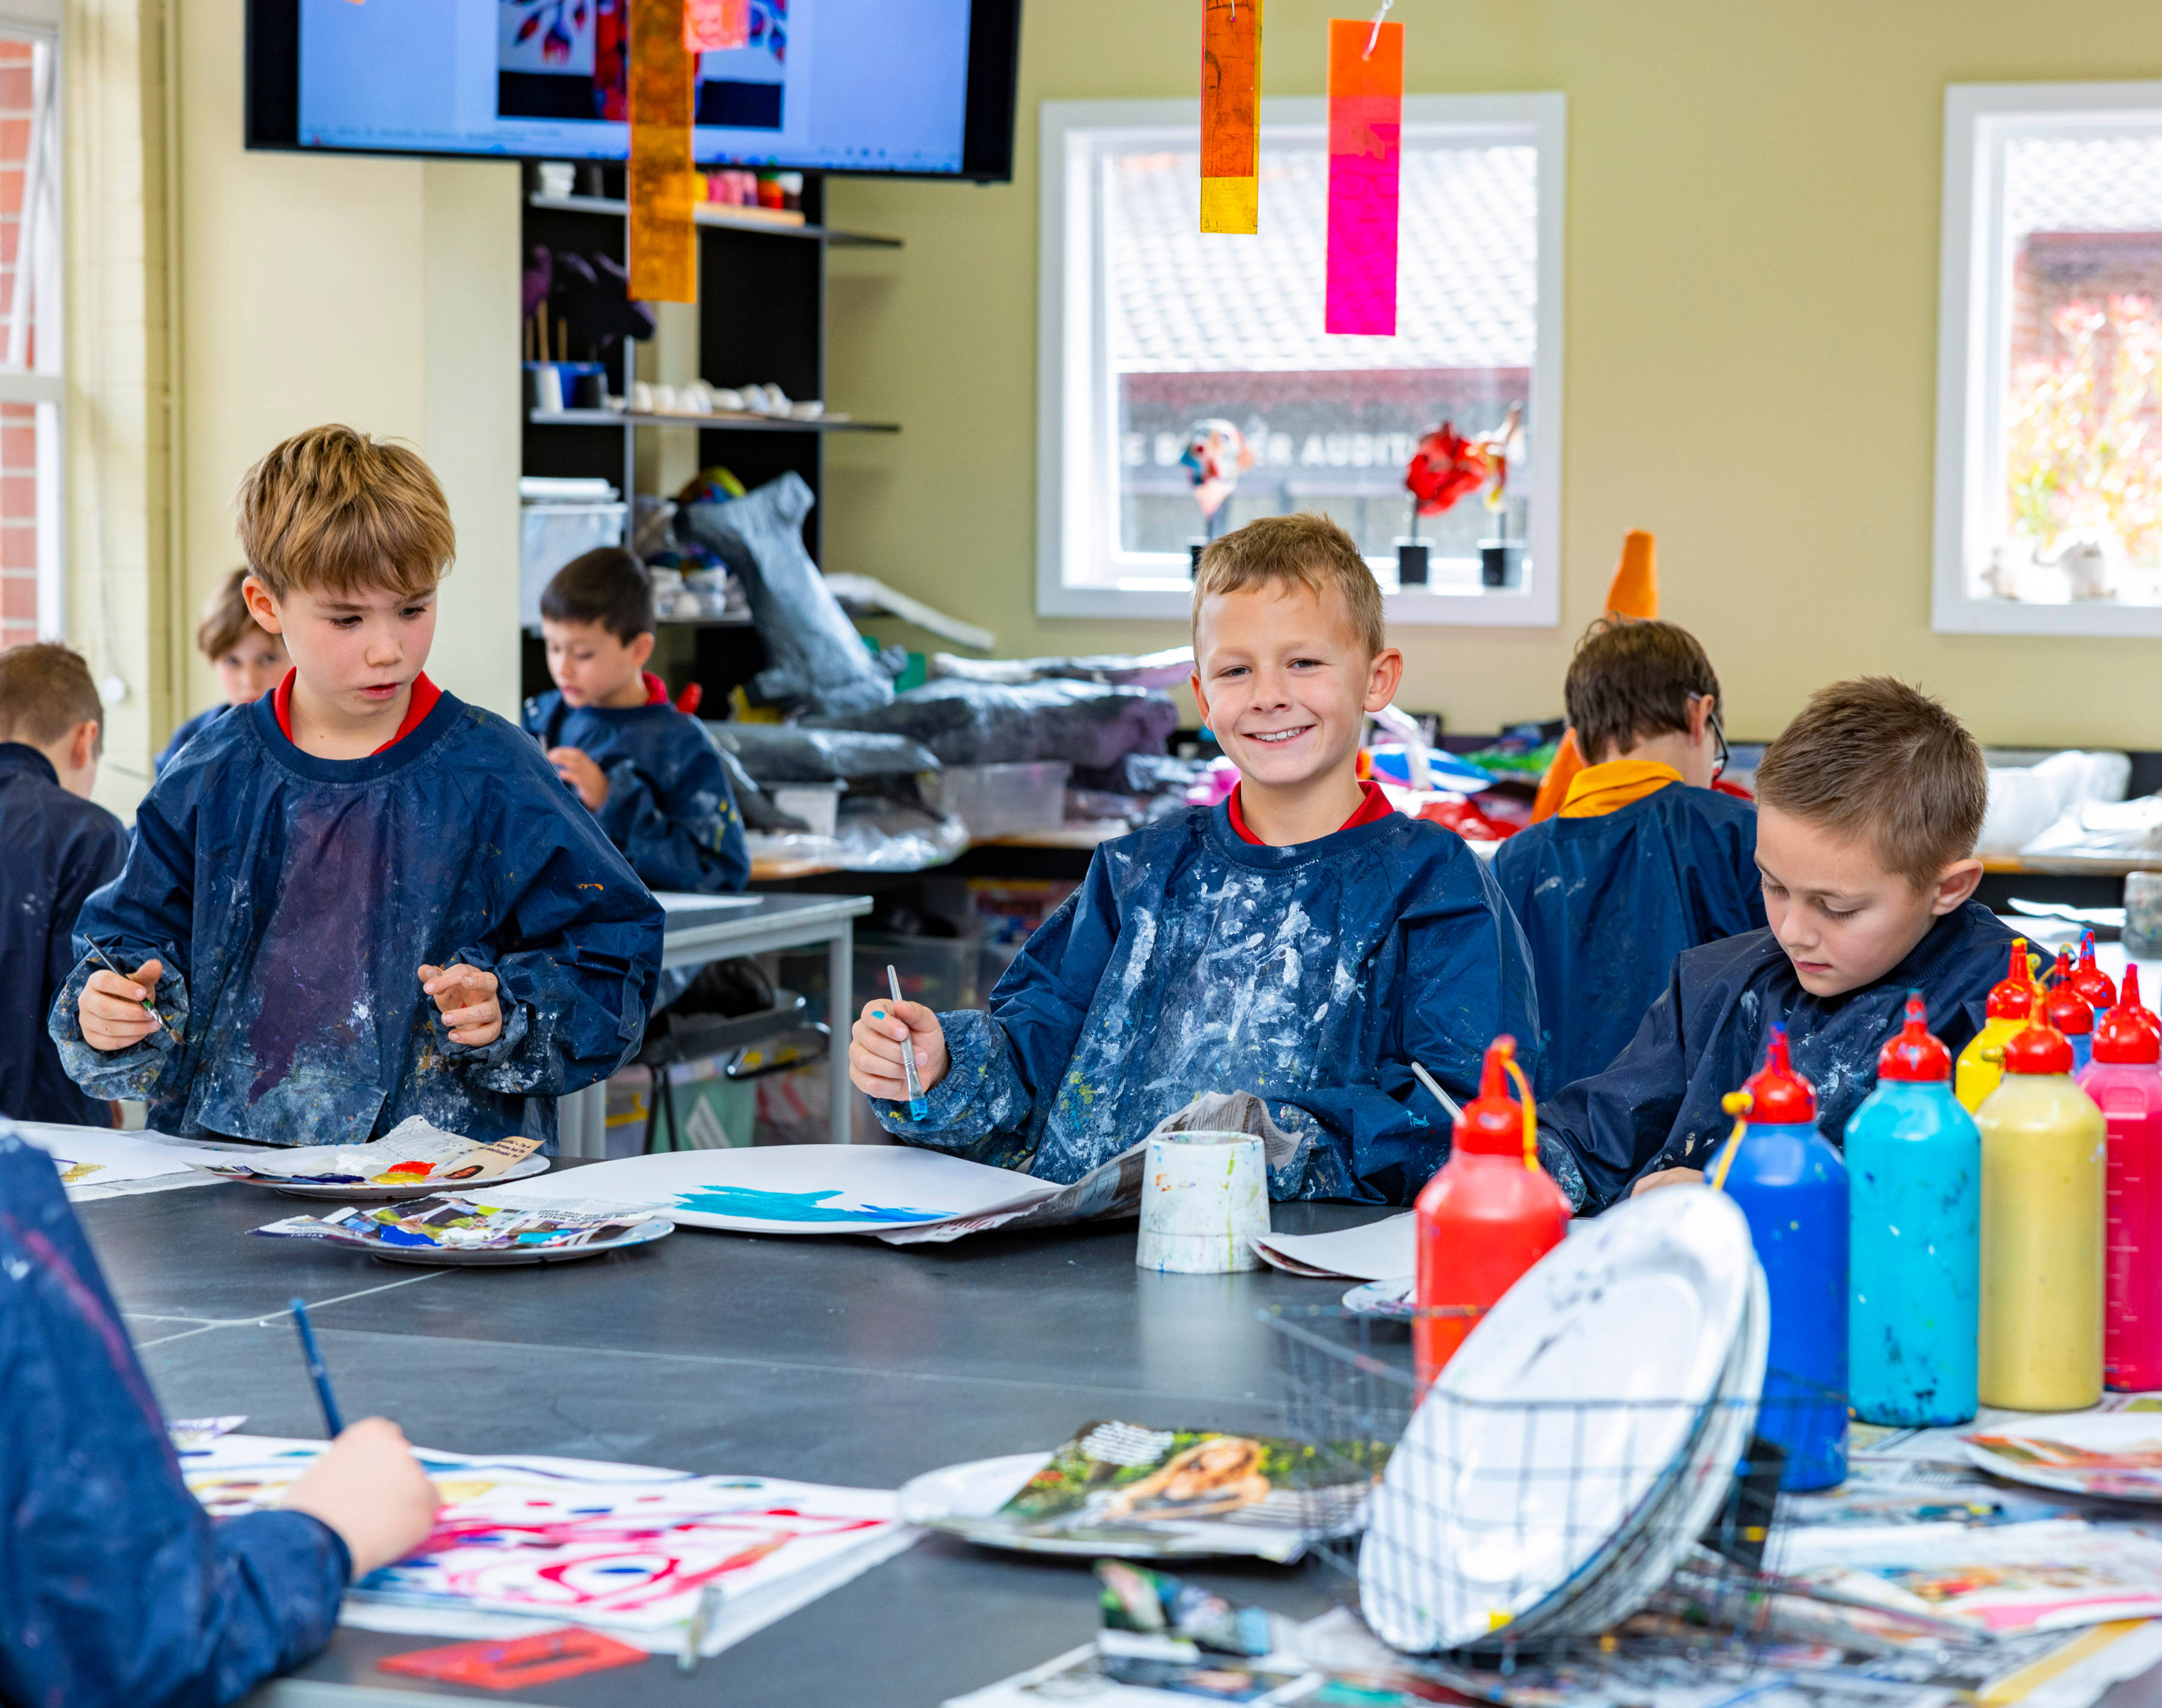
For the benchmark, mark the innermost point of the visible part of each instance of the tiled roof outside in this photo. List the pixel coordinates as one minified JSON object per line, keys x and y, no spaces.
{"x":2098,"y":183}
{"x":1180,"y":302}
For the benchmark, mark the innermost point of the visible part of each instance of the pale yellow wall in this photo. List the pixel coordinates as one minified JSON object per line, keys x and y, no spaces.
{"x":1752,"y":284}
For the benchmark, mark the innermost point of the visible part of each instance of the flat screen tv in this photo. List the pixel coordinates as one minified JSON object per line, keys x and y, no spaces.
{"x":920,"y":87}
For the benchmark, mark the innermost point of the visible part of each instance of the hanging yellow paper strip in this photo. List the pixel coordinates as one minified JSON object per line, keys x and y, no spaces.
{"x":664,"y":243}
{"x":1230,"y":115}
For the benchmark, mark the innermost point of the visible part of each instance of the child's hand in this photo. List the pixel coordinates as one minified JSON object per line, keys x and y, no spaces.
{"x":1667,"y":1177}
{"x":466,"y":996}
{"x":111,"y":1007}
{"x":581,"y":774}
{"x":370,"y":1489}
{"x":879,"y":1036}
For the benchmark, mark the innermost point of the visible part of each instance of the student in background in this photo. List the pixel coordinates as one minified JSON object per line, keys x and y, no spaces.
{"x":1643,"y":859}
{"x":1302,"y":941}
{"x":1868,"y":806}
{"x":359,"y":899}
{"x":56,"y":846}
{"x":249,"y":661}
{"x":117,"y":1587}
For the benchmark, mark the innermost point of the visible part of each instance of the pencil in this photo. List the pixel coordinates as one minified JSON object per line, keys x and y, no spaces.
{"x":322,"y":1378}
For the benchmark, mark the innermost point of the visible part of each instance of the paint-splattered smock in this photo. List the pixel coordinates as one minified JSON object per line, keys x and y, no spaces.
{"x":669,"y":806}
{"x":292,"y":900}
{"x":1658,"y":1105}
{"x":54,"y":849}
{"x":115,"y":1585}
{"x":1190,"y":961}
{"x":1607,"y":904}
{"x":187,"y":733}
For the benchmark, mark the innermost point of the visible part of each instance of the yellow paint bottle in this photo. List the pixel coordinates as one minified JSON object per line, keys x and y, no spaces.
{"x":2044,"y":1172}
{"x":2011,"y":1003}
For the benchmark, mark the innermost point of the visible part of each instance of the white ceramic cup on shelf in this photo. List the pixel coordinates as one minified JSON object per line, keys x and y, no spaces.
{"x":1204,"y":1196}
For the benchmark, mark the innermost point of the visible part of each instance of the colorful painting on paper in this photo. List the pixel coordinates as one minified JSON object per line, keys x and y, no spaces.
{"x":1366,"y":130}
{"x":709,"y":25}
{"x":1231,"y":115}
{"x":664,"y":187}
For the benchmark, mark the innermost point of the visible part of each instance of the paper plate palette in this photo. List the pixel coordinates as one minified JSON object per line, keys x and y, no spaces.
{"x":391,"y":1194}
{"x":443,"y":1257}
{"x":2113,"y":1455}
{"x":1392,"y":1301}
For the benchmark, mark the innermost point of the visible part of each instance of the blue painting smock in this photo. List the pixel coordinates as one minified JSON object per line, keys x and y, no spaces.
{"x":187,"y":732}
{"x":669,"y":807}
{"x":54,"y":849}
{"x":116,"y":1587}
{"x":1658,"y":1105}
{"x":1606,"y":903}
{"x":293,"y":899}
{"x":1189,"y":961}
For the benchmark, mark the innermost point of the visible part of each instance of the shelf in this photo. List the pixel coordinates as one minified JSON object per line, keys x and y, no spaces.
{"x":713,"y":213}
{"x":704,"y":424}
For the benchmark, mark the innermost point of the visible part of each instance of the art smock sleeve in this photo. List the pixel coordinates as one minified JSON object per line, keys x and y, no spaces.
{"x":146,"y":913}
{"x":1612,"y":1126}
{"x":115,"y":1585}
{"x":683,"y":833}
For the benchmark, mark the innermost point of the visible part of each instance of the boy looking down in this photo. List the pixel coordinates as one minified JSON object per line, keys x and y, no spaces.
{"x":359,"y":899}
{"x":1301,"y":941}
{"x":1867,"y":809}
{"x":1643,"y":858}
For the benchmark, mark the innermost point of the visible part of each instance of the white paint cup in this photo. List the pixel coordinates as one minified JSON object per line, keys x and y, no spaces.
{"x":1204,"y":1196}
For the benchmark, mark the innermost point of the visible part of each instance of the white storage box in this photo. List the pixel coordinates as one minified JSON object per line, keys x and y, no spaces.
{"x":1006,"y":800}
{"x":818,"y":805}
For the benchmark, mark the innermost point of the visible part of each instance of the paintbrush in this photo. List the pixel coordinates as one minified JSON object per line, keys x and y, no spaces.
{"x":105,"y":961}
{"x":317,"y":1373}
{"x":696,"y":1627}
{"x":1443,"y":1098}
{"x":918,"y":1110}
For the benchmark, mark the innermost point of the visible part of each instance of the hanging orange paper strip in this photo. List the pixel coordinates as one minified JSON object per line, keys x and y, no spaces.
{"x":710,"y":25}
{"x":1230,"y":115}
{"x":664,"y":187}
{"x":1366,"y":130}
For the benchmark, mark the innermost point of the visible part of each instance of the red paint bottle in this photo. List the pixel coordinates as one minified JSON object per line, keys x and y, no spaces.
{"x":2125,"y":1079}
{"x":1489,"y":1214}
{"x":2091,"y":982}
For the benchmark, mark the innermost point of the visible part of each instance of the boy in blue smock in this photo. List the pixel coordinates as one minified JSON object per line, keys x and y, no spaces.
{"x":648,"y":772}
{"x":115,"y":1585}
{"x":1868,"y":806}
{"x":359,"y":899}
{"x":1302,"y":941}
{"x":249,"y":660}
{"x":1644,"y":859}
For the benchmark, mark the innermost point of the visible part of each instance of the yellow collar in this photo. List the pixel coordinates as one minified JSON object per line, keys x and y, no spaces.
{"x":1598,"y":789}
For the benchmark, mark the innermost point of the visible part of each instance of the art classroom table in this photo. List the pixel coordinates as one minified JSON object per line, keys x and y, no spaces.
{"x":701,"y":928}
{"x":825,"y":1360}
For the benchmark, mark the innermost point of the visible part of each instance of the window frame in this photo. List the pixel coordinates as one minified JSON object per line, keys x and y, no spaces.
{"x":1974,"y":300}
{"x":45,"y":385}
{"x":1076,"y":391}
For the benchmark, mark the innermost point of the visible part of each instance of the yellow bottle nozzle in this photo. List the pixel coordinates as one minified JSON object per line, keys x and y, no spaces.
{"x":1531,"y":1118}
{"x":1736,"y":1104}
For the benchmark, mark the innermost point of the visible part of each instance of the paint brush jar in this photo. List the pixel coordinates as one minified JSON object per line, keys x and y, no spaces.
{"x":1205,"y":1200}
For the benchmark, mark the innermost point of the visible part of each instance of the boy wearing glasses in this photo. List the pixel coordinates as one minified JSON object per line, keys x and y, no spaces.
{"x":1646,"y":857}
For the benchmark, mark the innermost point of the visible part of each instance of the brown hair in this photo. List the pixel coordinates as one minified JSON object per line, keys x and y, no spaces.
{"x":1874,"y":758}
{"x":226,"y":620}
{"x":1294,"y":551}
{"x":1630,"y":681}
{"x":605,"y":586}
{"x":335,"y":511}
{"x":46,"y":693}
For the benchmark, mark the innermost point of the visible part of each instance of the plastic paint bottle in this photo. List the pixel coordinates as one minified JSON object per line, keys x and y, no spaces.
{"x":2091,"y":982}
{"x":2011,"y":1006}
{"x":2065,"y":1007}
{"x":2141,"y":1014}
{"x":1791,"y":1185}
{"x":2126,"y":1084}
{"x":2043,"y":1155}
{"x":1488,"y":1215}
{"x":1914,"y":1164}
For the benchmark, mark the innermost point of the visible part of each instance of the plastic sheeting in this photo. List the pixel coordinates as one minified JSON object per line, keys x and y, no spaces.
{"x":874,"y":835}
{"x":1133,"y":670}
{"x":969,"y":723}
{"x":788,"y":753}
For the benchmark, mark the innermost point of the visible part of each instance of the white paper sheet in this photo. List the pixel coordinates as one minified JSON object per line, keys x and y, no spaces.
{"x":1378,"y":1251}
{"x":98,"y":1163}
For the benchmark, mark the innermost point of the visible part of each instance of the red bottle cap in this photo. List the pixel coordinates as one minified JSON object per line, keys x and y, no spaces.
{"x":1493,"y":1123}
{"x":2090,"y":980}
{"x":2128,"y":1032}
{"x":2014,"y":998}
{"x":2038,"y":1048}
{"x":1914,"y":1054}
{"x":2067,"y":1007}
{"x":1779,"y":1096}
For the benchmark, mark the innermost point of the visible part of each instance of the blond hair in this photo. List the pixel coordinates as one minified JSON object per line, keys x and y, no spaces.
{"x":1295,"y":550}
{"x":334,"y":511}
{"x":226,"y":620}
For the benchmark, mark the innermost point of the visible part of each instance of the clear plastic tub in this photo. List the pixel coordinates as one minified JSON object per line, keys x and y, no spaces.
{"x":1006,"y":800}
{"x":550,"y":535}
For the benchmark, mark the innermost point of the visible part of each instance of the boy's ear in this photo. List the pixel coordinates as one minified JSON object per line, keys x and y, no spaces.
{"x":1384,"y":678}
{"x":641,"y":648}
{"x":261,"y":607}
{"x":1200,"y":697}
{"x":1954,"y":884}
{"x":86,"y":745}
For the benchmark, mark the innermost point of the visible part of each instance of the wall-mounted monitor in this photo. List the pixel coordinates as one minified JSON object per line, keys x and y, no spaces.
{"x":920,"y":88}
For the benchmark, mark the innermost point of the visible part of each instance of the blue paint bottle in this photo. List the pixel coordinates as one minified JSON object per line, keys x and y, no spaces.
{"x":1792,"y":1186}
{"x":1913,"y":1161}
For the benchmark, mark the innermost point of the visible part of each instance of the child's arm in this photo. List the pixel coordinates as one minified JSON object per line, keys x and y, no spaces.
{"x":683,"y":831}
{"x":1614,"y":1124}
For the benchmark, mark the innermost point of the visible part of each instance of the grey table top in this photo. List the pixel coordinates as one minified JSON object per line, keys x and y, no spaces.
{"x":700,"y":927}
{"x":836,"y":1361}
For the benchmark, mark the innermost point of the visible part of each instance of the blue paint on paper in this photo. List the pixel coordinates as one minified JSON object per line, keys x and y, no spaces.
{"x":794,"y":1206}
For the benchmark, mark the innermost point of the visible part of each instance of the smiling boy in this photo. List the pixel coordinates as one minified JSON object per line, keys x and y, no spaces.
{"x":1302,"y":941}
{"x":1868,"y":806}
{"x":359,"y":899}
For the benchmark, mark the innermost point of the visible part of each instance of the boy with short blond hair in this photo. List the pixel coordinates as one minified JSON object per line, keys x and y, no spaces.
{"x":1645,"y":858}
{"x":1868,"y":808}
{"x":249,"y":661}
{"x":1302,"y":941}
{"x":360,"y":899}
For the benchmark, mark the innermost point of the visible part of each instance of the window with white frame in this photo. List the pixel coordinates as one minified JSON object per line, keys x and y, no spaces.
{"x":29,"y":334}
{"x":2048,"y":515}
{"x":1151,"y":329}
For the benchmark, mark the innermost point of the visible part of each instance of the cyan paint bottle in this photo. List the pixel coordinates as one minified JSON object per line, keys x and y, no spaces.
{"x":2065,"y":1006}
{"x":1791,"y":1185}
{"x":1913,"y":1166}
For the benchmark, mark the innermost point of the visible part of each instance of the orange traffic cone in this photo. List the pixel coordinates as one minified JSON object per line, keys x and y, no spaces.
{"x":1634,"y":591}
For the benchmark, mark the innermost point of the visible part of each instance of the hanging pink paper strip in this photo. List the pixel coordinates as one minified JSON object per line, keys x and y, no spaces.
{"x":1365,"y":127}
